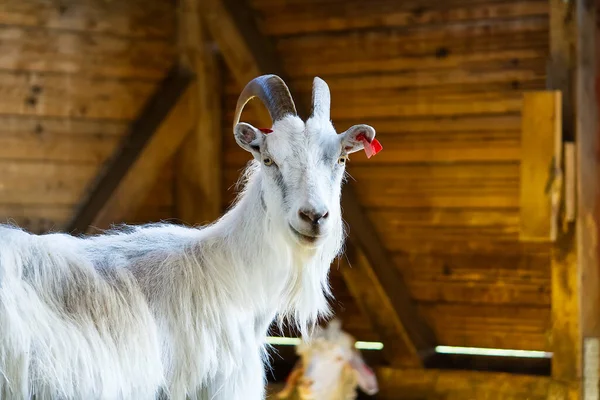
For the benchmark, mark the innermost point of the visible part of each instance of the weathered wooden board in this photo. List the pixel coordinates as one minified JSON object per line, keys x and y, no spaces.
{"x":58,"y":139}
{"x":64,"y":148}
{"x":61,"y":95}
{"x":465,"y":185}
{"x":447,"y":224}
{"x":477,"y":278}
{"x":452,"y":125}
{"x":442,"y":57}
{"x":500,"y":293}
{"x":419,"y":39}
{"x":490,"y":326}
{"x":45,"y":183}
{"x":463,"y":385}
{"x":541,"y":144}
{"x":476,"y":268}
{"x":131,"y":18}
{"x":43,"y":50}
{"x":402,"y":53}
{"x":23,"y":126}
{"x":452,"y":79}
{"x":505,"y":220}
{"x":300,"y":19}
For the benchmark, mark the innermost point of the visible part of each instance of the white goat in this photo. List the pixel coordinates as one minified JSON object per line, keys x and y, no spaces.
{"x":330,"y":368}
{"x":170,"y":311}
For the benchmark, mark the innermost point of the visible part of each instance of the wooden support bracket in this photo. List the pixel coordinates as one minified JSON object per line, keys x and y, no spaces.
{"x":131,"y":148}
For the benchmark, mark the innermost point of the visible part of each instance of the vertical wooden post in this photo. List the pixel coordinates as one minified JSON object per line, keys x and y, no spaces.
{"x":586,"y":134}
{"x":576,"y":297}
{"x":199,"y":159}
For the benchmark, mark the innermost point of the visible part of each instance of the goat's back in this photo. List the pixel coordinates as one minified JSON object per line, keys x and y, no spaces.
{"x":73,"y":323}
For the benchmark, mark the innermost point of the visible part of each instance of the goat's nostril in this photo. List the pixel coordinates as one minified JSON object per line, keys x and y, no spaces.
{"x":305,"y":215}
{"x":312,"y":217}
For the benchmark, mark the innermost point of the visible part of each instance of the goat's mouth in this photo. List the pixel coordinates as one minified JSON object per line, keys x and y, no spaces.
{"x":305,"y":239}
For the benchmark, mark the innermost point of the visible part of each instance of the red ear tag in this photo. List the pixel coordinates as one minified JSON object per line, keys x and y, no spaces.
{"x":371,"y":148}
{"x":265,"y":130}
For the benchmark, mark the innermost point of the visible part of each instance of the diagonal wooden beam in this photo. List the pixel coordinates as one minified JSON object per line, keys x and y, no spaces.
{"x":393,"y":313}
{"x":368,"y":291}
{"x":248,"y":54}
{"x":116,"y":189}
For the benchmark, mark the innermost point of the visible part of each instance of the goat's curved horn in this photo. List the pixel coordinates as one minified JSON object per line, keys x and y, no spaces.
{"x":321,"y":99}
{"x":272,"y":91}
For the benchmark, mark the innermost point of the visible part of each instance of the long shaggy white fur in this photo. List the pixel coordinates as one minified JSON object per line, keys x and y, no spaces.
{"x":155,"y":309}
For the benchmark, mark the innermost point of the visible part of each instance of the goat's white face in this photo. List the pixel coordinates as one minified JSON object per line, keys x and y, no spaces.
{"x":331,"y":366}
{"x":303,"y":165}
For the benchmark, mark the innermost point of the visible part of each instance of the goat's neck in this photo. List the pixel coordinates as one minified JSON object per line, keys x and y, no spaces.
{"x":293,"y":279}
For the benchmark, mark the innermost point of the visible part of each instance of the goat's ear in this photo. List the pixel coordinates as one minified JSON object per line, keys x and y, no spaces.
{"x":354,"y":138}
{"x":365,"y":376}
{"x":248,"y":137}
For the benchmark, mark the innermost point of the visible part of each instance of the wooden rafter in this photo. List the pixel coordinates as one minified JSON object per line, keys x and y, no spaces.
{"x":152,"y":139}
{"x":248,"y":54}
{"x":369,"y":292}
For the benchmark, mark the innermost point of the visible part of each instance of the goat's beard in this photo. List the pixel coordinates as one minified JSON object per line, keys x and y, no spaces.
{"x":309,"y":291}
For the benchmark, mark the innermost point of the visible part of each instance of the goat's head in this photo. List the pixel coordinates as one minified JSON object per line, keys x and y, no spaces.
{"x":302,"y":163}
{"x":330,"y":367}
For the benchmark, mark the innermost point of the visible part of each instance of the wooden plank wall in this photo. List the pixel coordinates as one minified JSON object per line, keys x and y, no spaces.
{"x":73,"y":74}
{"x":442,"y":83}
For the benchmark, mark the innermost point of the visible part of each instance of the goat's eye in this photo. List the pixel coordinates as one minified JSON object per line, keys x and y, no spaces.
{"x":342,"y":160}
{"x":268,"y":161}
